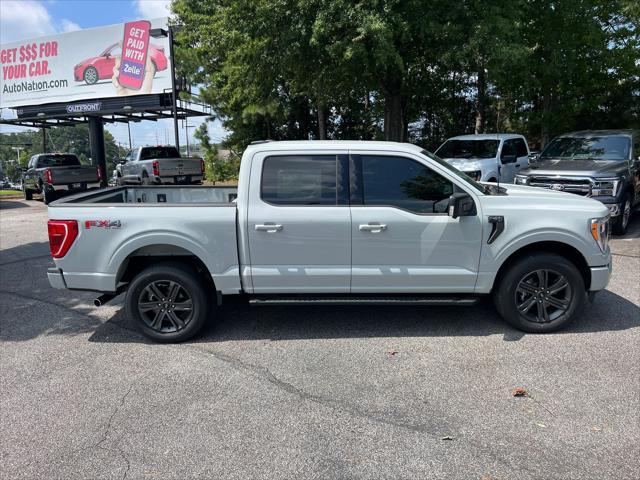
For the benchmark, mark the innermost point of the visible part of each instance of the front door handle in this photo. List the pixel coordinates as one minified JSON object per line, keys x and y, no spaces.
{"x":517,"y":165}
{"x":372,"y":227}
{"x":268,"y":227}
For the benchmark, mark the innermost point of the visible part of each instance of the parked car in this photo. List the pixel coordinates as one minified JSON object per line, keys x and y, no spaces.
{"x":93,"y":69}
{"x":487,"y":157}
{"x":322,"y":222}
{"x":159,"y":165}
{"x":56,"y":174}
{"x":602,"y":164}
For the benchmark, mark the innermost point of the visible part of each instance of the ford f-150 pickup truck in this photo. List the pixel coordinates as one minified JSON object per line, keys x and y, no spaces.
{"x":56,"y":174}
{"x":159,"y":165}
{"x":329,"y":222}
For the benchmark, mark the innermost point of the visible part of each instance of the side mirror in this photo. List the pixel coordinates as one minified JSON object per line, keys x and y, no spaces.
{"x":461,"y":205}
{"x":509,"y":158}
{"x":533,"y":157}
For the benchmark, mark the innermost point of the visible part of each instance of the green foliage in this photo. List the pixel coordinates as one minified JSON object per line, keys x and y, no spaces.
{"x":410,"y":69}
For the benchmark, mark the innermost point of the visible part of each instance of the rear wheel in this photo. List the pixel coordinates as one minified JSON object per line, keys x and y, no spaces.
{"x":28,"y":194}
{"x":48,"y":196}
{"x":91,"y":75}
{"x":621,"y":222}
{"x":169,"y":302}
{"x":540,"y":293}
{"x":145,"y":179}
{"x":119,"y":180}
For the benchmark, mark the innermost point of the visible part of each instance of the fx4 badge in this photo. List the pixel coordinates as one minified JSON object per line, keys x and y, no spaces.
{"x":102,"y":224}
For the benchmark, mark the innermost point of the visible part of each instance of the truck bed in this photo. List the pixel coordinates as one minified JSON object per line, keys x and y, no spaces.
{"x":118,"y":224}
{"x":160,"y":195}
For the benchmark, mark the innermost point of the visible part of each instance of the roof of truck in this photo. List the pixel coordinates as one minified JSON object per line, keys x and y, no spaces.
{"x":487,"y":136}
{"x":329,"y":144}
{"x":598,"y":133}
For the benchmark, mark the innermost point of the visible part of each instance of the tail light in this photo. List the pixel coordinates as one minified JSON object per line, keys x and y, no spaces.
{"x":156,"y":168}
{"x":202,"y":166}
{"x":99,"y":172}
{"x":48,"y":176}
{"x":62,"y":234}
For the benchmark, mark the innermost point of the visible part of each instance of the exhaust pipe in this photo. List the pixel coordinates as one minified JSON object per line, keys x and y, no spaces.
{"x":103,"y":299}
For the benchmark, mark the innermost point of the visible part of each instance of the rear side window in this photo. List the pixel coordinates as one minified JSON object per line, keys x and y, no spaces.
{"x":299,"y":180}
{"x":403,"y":183}
{"x":521,"y":148}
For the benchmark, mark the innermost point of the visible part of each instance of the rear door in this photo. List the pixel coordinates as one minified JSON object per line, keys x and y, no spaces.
{"x":403,"y":239}
{"x":299,"y":223}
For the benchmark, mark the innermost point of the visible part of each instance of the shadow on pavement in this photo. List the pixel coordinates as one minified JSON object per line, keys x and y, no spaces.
{"x":240,"y":322}
{"x":11,"y":204}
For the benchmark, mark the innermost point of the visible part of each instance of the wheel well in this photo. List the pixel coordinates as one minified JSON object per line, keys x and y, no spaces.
{"x":492,"y":180}
{"x":562,"y":249}
{"x":150,"y":255}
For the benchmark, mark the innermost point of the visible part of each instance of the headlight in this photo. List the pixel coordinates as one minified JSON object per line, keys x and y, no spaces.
{"x":520,"y":180}
{"x":600,"y":232}
{"x":605,"y":187}
{"x":476,"y":175}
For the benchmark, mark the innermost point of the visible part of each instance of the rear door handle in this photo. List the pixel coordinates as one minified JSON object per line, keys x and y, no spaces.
{"x":517,"y":165}
{"x":372,"y":227}
{"x":268,"y":227}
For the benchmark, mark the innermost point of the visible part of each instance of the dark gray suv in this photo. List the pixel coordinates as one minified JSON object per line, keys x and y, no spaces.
{"x":602,"y":164}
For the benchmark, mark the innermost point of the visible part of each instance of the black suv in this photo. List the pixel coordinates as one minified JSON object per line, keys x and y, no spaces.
{"x":603,"y":164}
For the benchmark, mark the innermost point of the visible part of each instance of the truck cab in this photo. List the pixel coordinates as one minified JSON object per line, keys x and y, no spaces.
{"x":487,"y":157}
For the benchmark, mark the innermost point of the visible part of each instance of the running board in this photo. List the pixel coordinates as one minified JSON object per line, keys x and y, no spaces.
{"x":365,"y":300}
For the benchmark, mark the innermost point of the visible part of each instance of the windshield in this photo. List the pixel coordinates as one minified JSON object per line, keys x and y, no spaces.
{"x":610,"y":147}
{"x":468,"y":149}
{"x":58,"y":161}
{"x":458,"y":173}
{"x":149,"y":153}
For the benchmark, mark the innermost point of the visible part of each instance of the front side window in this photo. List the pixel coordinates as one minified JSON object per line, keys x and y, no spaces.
{"x":299,"y":180}
{"x":597,"y":147}
{"x":521,"y":148}
{"x":468,"y":149}
{"x":403,"y":183}
{"x":508,"y":149}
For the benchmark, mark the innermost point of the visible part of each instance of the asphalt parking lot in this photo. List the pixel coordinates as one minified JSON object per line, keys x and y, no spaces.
{"x":322,"y":392}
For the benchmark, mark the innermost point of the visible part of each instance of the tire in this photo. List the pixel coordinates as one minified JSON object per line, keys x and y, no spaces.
{"x":28,"y":194}
{"x":90,"y":75}
{"x":145,"y":179}
{"x":170,"y":323}
{"x":119,"y":180}
{"x":48,"y":196}
{"x":621,"y":222}
{"x":519,"y":288}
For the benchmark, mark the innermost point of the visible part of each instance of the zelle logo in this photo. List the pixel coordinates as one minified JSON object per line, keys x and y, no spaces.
{"x":108,"y":224}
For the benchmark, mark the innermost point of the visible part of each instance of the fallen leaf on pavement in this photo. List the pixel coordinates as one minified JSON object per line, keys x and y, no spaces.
{"x":447,"y":437}
{"x":596,"y":429}
{"x":541,"y":425}
{"x":519,"y":392}
{"x":391,"y":352}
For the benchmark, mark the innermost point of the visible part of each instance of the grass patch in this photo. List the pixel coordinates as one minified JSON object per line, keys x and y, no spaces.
{"x":10,"y":193}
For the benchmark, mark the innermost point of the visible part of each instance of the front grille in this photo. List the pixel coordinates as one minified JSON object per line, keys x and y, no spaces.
{"x":580,"y":186}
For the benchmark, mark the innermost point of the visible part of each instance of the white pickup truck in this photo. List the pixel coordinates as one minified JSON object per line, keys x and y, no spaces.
{"x":327,"y":222}
{"x":159,"y":165}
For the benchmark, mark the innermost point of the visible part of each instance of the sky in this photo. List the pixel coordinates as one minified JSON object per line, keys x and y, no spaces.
{"x":22,"y":19}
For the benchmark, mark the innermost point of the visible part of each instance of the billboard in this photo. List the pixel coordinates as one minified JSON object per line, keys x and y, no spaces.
{"x":111,"y":61}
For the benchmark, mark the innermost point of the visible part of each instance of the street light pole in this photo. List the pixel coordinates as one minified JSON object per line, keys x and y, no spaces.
{"x":173,"y":89}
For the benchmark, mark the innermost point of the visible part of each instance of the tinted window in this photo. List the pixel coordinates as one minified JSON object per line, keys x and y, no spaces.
{"x":521,"y":148}
{"x":468,"y":149}
{"x":299,"y":180}
{"x":509,"y":148}
{"x":150,"y":153}
{"x":57,"y":161}
{"x":609,"y":147}
{"x":404,"y":183}
{"x":636,"y":148}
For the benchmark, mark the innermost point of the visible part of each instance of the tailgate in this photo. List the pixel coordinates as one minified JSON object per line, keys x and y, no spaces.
{"x":79,"y":174}
{"x":171,"y":167}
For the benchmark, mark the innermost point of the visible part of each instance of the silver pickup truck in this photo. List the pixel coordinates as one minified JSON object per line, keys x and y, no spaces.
{"x":326,"y":222}
{"x":159,"y":165}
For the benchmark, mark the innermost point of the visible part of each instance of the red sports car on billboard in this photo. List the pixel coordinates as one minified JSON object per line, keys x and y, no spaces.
{"x":97,"y":68}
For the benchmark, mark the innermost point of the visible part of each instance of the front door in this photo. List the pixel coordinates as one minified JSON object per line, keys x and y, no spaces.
{"x":299,"y":225}
{"x":508,"y":161}
{"x":403,"y":239}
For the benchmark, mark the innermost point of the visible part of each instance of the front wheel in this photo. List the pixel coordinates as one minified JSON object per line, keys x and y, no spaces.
{"x":169,"y":302}
{"x":540,"y":293}
{"x":621,"y":222}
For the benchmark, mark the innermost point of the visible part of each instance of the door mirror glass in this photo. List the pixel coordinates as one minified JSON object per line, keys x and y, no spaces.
{"x":461,"y":205}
